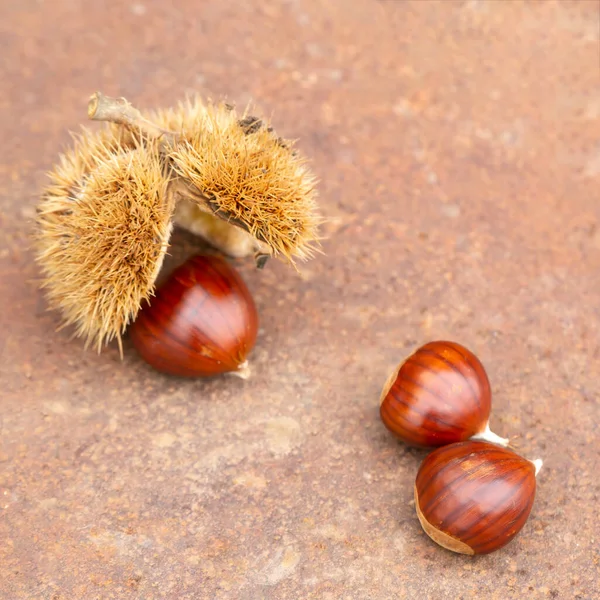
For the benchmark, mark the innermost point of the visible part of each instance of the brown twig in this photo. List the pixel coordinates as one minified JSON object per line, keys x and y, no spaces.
{"x":121,"y":112}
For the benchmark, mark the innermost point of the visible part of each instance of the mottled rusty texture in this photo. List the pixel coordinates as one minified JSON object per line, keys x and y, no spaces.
{"x":458,"y":149}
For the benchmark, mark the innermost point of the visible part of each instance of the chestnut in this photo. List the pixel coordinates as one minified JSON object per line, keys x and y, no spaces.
{"x":439,"y":395}
{"x":474,"y":497}
{"x":202,"y":321}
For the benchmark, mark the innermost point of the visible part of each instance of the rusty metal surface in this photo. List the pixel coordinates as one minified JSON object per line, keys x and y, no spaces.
{"x":458,"y":149}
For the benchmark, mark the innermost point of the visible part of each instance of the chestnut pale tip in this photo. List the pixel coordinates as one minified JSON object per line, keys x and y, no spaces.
{"x":537,"y":463}
{"x":439,"y":537}
{"x":243,"y":371}
{"x":390,"y":382}
{"x":487,"y":435}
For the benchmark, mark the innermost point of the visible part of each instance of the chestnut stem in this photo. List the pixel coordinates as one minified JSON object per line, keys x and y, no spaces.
{"x":243,"y":371}
{"x":537,"y":463}
{"x":487,"y":435}
{"x":121,"y":112}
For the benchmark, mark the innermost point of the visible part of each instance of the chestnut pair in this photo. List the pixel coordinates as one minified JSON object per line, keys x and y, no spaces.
{"x":472,"y":494}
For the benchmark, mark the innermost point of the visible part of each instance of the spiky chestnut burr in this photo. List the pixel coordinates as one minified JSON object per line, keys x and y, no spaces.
{"x":236,"y":182}
{"x":240,"y":171}
{"x":103,"y":229}
{"x":223,"y":176}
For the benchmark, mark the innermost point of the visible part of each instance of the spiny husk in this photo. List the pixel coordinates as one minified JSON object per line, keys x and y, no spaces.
{"x":104,"y":224}
{"x":185,"y":117}
{"x":248,"y":175}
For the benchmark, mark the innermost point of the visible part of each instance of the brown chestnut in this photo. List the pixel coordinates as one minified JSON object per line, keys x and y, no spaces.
{"x":474,"y":497}
{"x":202,"y":321}
{"x":439,"y":395}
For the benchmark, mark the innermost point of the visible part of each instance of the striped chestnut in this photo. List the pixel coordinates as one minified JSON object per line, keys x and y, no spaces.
{"x":439,"y":395}
{"x":474,"y":497}
{"x":201,"y":322}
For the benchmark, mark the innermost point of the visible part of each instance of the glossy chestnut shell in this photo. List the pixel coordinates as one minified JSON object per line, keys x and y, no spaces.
{"x":439,"y":395}
{"x":202,"y":321}
{"x":474,"y":497}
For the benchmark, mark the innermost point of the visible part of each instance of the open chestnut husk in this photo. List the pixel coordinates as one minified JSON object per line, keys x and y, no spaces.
{"x":474,"y":497}
{"x":439,"y":395}
{"x":201,"y":322}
